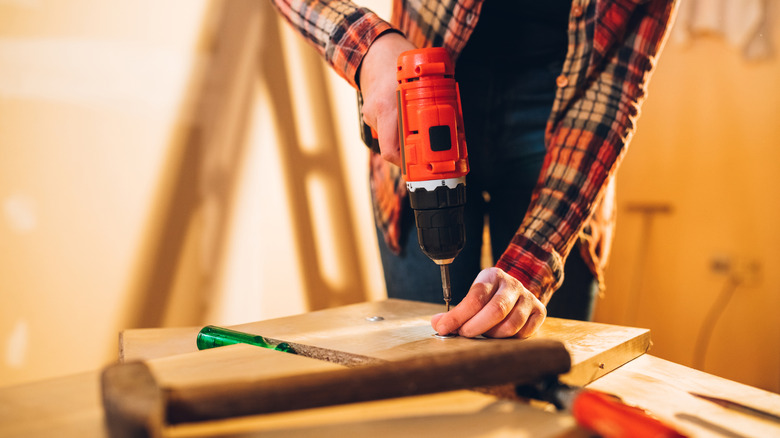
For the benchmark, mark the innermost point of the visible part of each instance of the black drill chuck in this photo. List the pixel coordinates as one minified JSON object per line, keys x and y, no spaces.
{"x":439,"y":215}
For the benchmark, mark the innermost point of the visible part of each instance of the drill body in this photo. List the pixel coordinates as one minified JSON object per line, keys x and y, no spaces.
{"x":434,"y":155}
{"x":433,"y":152}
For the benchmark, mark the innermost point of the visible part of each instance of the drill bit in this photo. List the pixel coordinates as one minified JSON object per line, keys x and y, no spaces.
{"x":445,"y":284}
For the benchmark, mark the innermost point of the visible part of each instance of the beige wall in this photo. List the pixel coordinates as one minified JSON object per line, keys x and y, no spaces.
{"x":111,"y":216}
{"x":706,"y":148}
{"x":90,"y":94}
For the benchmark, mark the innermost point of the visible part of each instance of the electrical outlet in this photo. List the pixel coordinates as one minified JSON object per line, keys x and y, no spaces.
{"x":745,"y":270}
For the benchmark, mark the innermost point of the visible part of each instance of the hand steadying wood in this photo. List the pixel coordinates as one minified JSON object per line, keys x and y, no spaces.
{"x":137,"y":407}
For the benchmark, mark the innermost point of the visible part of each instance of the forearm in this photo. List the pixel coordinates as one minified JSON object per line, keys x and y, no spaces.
{"x":339,"y":30}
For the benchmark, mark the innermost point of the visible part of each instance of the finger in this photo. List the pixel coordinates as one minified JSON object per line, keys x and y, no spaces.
{"x":523,"y":321}
{"x":387,"y":129}
{"x":510,"y":326}
{"x":369,"y":120}
{"x":492,"y":313}
{"x":532,"y":325}
{"x":479,"y":294}
{"x":435,"y":319}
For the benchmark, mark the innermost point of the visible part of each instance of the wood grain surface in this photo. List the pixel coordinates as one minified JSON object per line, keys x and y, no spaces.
{"x":403,"y":332}
{"x":663,"y":387}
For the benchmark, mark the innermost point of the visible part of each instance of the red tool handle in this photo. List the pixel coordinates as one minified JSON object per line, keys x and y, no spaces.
{"x":608,"y":416}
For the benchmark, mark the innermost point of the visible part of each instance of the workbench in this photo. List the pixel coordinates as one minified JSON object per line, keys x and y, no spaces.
{"x":608,"y":358}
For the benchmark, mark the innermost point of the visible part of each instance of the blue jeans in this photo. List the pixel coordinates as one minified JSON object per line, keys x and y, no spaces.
{"x":505,"y":110}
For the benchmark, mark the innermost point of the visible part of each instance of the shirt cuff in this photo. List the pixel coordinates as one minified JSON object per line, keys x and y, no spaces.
{"x":539,"y":269}
{"x":351,"y":41}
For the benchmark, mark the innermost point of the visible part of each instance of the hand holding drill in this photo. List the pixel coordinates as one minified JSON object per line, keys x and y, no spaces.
{"x":497,"y":305}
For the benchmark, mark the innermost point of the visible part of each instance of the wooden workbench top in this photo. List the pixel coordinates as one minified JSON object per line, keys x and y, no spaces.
{"x":70,"y":406}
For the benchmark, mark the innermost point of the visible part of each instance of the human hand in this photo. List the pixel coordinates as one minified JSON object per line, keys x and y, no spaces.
{"x":496,"y":306}
{"x":377,"y":85}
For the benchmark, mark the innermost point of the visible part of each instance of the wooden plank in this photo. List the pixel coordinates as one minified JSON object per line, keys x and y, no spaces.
{"x":595,"y":348}
{"x":143,"y":344}
{"x":405,"y":331}
{"x":232,"y":363}
{"x":663,"y":387}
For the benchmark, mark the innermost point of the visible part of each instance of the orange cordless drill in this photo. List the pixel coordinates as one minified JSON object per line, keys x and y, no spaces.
{"x":433,"y":152}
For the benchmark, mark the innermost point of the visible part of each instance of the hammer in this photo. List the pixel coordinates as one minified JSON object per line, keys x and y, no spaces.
{"x":136,"y":406}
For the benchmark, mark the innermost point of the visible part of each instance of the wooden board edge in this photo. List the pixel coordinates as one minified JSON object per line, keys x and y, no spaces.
{"x":605,"y":362}
{"x":122,"y":346}
{"x":152,"y":343}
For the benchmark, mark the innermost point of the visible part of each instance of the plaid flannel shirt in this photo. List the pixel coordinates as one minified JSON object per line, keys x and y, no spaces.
{"x":612,"y":51}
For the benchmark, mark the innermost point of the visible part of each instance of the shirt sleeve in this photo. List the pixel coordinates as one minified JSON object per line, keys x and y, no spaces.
{"x":613,"y":50}
{"x":339,"y":30}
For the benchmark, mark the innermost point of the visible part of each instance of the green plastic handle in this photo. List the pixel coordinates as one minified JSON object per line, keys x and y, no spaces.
{"x":212,"y":336}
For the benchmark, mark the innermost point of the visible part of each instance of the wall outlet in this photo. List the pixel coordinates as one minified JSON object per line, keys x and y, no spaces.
{"x":744,"y":270}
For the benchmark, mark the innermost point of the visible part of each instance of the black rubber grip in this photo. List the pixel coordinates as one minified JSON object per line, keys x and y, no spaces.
{"x":439,"y":215}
